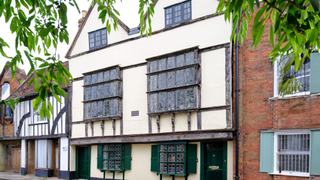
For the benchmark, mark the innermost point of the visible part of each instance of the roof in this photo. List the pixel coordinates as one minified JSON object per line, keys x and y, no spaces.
{"x":24,"y":90}
{"x":20,"y":71}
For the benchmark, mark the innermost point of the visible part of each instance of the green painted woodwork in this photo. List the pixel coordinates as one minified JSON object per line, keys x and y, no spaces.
{"x":266,"y":152}
{"x":154,"y":158}
{"x":127,"y":156}
{"x":83,"y":157}
{"x":192,"y":159}
{"x":99,"y":161}
{"x":315,"y":155}
{"x":213,"y":161}
{"x":315,"y":72}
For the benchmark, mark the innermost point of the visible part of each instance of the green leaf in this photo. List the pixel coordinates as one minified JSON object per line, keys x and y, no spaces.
{"x":271,"y":35}
{"x":63,"y":13}
{"x":315,"y":5}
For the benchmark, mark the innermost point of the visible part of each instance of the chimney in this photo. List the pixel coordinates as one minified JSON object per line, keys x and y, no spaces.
{"x":84,"y":13}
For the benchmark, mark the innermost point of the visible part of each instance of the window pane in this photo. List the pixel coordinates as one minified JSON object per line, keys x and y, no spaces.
{"x":190,"y":76}
{"x":153,"y":82}
{"x":100,"y":76}
{"x":180,"y":147}
{"x":100,"y":91}
{"x":97,"y":34}
{"x":171,"y":168}
{"x":94,"y":110}
{"x":106,"y":108}
{"x":172,"y":157}
{"x":162,"y":80}
{"x":162,"y":101}
{"x":180,"y":99}
{"x":153,"y":66}
{"x":180,"y":168}
{"x":100,"y":109}
{"x":177,"y":14}
{"x":111,"y":164}
{"x":113,"y":74}
{"x":42,"y":154}
{"x":163,"y":147}
{"x":88,"y":93}
{"x":105,"y":164}
{"x":104,"y":37}
{"x":88,"y":79}
{"x":153,"y":102}
{"x":94,"y":78}
{"x":163,"y":167}
{"x":180,"y":60}
{"x":180,"y":157}
{"x":117,"y":165}
{"x":87,"y":110}
{"x":171,"y":147}
{"x":94,"y":92}
{"x":163,"y":157}
{"x":171,"y":62}
{"x":190,"y":98}
{"x":105,"y":154}
{"x":171,"y":100}
{"x":180,"y":78}
{"x":113,"y":105}
{"x":162,"y":64}
{"x":190,"y":58}
{"x":171,"y":79}
{"x":106,"y":76}
{"x":106,"y":90}
{"x":113,"y":89}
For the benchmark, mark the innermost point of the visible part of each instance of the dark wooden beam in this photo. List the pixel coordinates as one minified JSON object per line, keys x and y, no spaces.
{"x":91,"y":126}
{"x":173,"y":122}
{"x":158,"y":123}
{"x":114,"y":126}
{"x":150,"y":123}
{"x":189,"y":121}
{"x":102,"y":127}
{"x":159,"y":137}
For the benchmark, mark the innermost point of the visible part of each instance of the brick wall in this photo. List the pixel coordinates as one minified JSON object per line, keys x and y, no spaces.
{"x":257,"y":111}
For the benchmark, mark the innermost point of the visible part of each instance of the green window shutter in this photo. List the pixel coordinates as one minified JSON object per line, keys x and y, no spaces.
{"x":266,"y":152}
{"x":315,"y":72}
{"x":315,"y":155}
{"x":100,"y":156}
{"x":154,"y":158}
{"x":127,"y":156}
{"x":192,"y":159}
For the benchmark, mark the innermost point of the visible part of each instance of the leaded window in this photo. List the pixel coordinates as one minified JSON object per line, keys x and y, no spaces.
{"x":114,"y":157}
{"x":102,"y":94}
{"x":177,"y":13}
{"x":173,"y":83}
{"x":98,"y":38}
{"x":172,"y":159}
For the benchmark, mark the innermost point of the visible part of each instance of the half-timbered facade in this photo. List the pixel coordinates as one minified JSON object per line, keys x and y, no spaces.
{"x":44,"y":142}
{"x":153,"y":108}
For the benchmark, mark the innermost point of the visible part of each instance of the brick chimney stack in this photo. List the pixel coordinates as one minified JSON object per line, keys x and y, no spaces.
{"x":84,"y":13}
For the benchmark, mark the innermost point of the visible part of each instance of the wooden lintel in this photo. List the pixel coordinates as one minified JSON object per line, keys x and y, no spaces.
{"x":91,"y":126}
{"x":158,"y":137}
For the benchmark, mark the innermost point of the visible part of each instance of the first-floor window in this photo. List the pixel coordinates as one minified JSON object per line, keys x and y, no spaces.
{"x":43,"y":154}
{"x":293,"y":153}
{"x":114,"y":157}
{"x":173,"y":158}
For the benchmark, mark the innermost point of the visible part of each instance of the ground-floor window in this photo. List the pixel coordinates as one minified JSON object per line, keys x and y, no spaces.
{"x":173,"y":158}
{"x":43,"y":154}
{"x":114,"y":157}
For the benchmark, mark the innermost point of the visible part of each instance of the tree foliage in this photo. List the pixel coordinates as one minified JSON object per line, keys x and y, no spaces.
{"x":294,"y":29}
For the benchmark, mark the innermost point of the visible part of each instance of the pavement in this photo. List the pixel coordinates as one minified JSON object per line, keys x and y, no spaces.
{"x":17,"y":176}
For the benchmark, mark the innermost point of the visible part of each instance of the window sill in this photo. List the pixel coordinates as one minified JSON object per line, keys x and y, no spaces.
{"x":293,"y":174}
{"x":102,"y":118}
{"x":38,"y":123}
{"x":291,"y":96}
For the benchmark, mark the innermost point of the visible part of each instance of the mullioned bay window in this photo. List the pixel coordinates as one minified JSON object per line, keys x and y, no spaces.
{"x":103,"y":94}
{"x":173,"y":83}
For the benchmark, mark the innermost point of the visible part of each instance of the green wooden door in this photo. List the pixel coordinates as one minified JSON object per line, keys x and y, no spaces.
{"x":83,"y":162}
{"x":214,"y":167}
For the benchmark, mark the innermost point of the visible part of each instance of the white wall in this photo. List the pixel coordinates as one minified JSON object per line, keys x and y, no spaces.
{"x":23,"y":153}
{"x":64,"y":151}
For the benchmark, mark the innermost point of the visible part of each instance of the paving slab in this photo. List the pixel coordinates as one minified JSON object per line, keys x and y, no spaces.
{"x":17,"y":176}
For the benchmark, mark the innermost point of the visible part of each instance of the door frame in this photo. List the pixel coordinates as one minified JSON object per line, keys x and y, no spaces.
{"x":77,"y":157}
{"x":202,"y":159}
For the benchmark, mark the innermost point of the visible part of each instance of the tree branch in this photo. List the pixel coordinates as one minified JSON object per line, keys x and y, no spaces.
{"x":273,"y":6}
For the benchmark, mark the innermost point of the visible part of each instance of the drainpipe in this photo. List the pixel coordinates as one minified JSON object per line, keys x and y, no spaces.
{"x":237,"y":90}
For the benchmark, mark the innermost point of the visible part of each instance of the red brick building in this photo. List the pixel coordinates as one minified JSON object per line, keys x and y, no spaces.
{"x":279,"y":136}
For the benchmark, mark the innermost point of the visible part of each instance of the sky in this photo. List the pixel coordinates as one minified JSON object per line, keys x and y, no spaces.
{"x":128,"y":14}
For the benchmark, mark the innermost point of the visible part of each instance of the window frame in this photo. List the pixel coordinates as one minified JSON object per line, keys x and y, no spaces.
{"x":175,"y":157}
{"x":117,"y":97}
{"x":181,"y":4}
{"x":276,"y":152}
{"x":276,"y":74}
{"x":196,"y":81}
{"x":95,"y":46}
{"x":114,"y":159}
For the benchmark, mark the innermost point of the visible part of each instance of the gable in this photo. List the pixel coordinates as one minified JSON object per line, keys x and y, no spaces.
{"x":93,"y":23}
